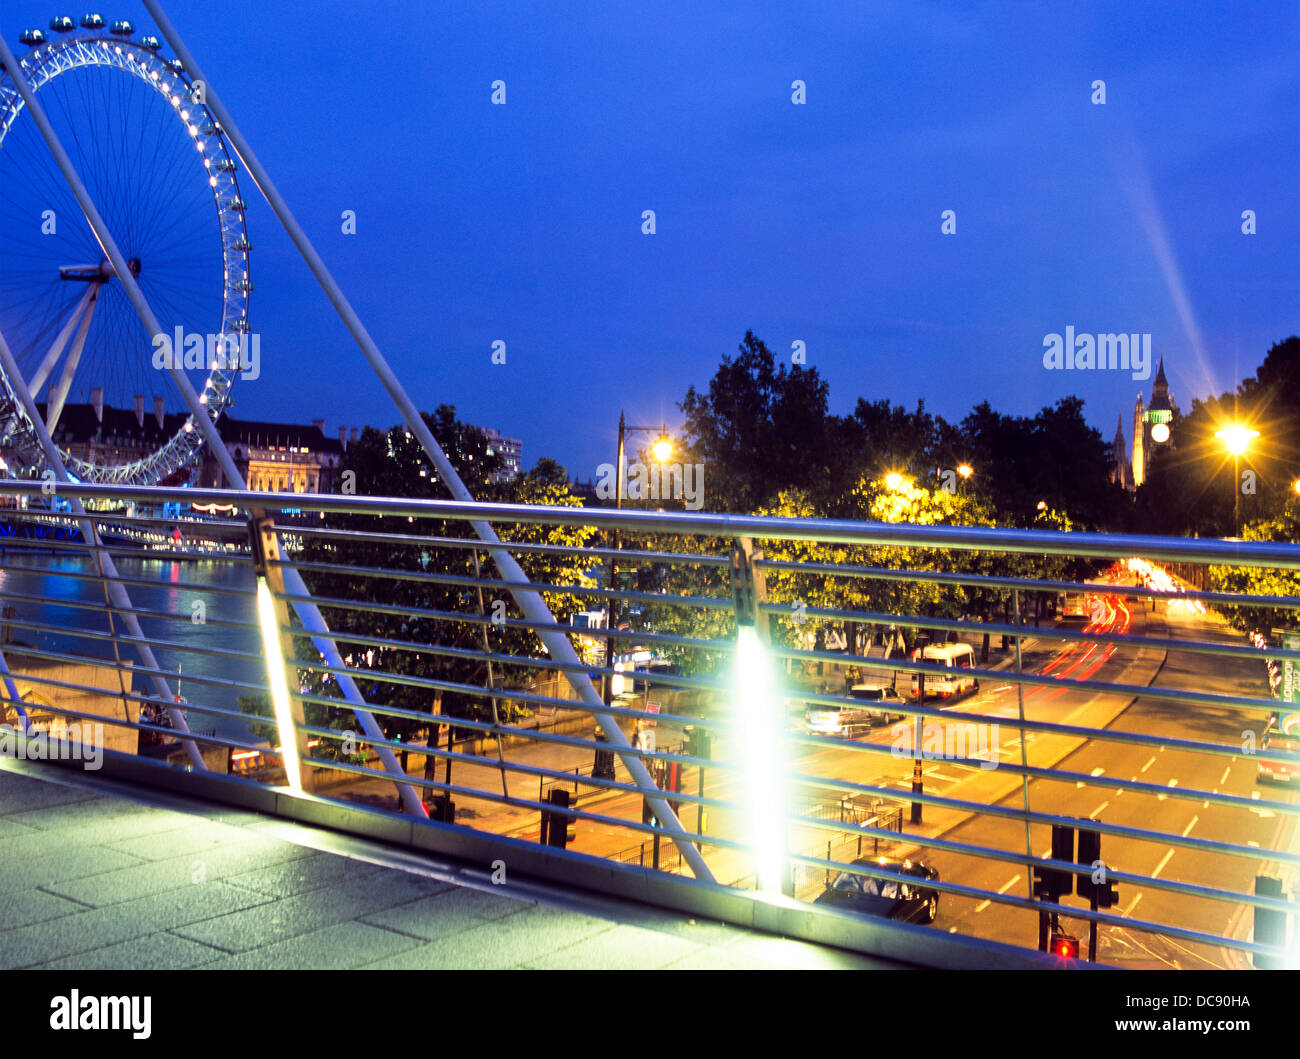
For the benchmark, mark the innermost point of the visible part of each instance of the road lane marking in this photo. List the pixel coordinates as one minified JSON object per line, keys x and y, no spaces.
{"x":1190,"y":826}
{"x":1255,"y":795}
{"x":1093,"y":814}
{"x":1224,"y":777}
{"x":1161,"y":865}
{"x":1148,"y":764}
{"x":1162,"y":797}
{"x":1129,"y":911}
{"x":1252,"y":843}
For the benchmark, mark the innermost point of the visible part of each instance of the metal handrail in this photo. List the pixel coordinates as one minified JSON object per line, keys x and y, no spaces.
{"x":535,"y":756}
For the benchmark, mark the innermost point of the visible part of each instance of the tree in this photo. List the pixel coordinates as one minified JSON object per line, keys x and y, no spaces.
{"x":1190,"y":486}
{"x":760,"y":429}
{"x":1263,"y":581}
{"x":407,"y":582}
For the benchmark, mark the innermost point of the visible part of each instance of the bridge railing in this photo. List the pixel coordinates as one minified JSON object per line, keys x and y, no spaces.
{"x":752,"y":640}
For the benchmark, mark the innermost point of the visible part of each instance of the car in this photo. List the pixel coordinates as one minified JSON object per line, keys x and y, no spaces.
{"x":872,"y":704}
{"x":1279,"y":772}
{"x":882,"y":701}
{"x":886,"y":898}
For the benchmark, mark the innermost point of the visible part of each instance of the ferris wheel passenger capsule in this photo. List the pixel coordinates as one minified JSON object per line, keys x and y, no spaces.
{"x":152,"y":43}
{"x":32,"y":37}
{"x":92,"y":21}
{"x":122,"y":28}
{"x":62,"y":24}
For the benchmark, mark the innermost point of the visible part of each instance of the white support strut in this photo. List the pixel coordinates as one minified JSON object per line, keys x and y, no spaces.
{"x":529,"y":600}
{"x":311,"y":616}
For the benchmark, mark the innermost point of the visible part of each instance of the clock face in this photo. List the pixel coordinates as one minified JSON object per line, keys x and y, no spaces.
{"x":1160,"y":432}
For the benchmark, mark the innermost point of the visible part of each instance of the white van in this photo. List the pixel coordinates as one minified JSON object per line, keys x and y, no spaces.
{"x":957,"y":660}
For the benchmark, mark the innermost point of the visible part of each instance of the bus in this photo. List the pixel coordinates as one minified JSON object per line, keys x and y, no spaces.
{"x":957,"y":659}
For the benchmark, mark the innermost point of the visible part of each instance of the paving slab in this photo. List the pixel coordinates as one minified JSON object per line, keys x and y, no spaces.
{"x":95,"y":876}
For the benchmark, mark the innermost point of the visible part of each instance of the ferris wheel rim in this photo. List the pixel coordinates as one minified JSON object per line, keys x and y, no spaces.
{"x":64,"y":55}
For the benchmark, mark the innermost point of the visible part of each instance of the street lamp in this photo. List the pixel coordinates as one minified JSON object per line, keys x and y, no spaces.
{"x":895,"y":481}
{"x":965,"y":470}
{"x":1237,"y":438}
{"x":661,"y":450}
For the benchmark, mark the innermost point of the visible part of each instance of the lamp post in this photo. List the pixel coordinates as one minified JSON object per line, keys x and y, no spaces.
{"x":662,"y":450}
{"x":1237,"y":438}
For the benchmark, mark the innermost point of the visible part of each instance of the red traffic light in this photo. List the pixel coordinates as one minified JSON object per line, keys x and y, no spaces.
{"x":1065,"y":945}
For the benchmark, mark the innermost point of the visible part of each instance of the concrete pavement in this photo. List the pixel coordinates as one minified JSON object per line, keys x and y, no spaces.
{"x":95,"y":874}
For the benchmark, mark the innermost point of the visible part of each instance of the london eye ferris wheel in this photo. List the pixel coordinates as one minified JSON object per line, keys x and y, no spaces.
{"x":158,"y":168}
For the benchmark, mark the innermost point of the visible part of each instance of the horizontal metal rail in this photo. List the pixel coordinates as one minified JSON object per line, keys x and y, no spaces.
{"x":413,"y":637}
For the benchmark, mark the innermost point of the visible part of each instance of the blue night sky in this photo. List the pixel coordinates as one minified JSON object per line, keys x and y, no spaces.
{"x":818,"y":223}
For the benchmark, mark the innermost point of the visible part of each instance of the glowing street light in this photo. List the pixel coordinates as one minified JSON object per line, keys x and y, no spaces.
{"x":662,"y":450}
{"x":895,"y":481}
{"x":965,"y":470}
{"x":1237,"y":438}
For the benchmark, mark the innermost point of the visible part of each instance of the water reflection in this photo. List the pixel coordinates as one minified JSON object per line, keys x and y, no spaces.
{"x":39,"y":590}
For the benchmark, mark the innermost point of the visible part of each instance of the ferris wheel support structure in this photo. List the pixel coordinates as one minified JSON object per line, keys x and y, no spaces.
{"x":529,"y":600}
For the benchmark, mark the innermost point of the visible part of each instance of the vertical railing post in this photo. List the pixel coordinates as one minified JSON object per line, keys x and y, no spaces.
{"x":289,"y":713}
{"x":1024,"y":750}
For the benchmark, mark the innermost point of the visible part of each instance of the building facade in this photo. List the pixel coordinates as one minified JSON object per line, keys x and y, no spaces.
{"x":272,"y":457}
{"x":279,"y":457}
{"x":511,"y":451}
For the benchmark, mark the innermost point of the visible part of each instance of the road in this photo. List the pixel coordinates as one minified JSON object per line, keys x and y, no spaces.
{"x":883,"y":759}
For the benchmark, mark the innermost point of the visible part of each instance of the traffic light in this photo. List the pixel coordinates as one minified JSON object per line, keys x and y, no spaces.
{"x":699,"y":742}
{"x":1104,"y":892}
{"x":1089,"y":855}
{"x":1054,"y":883}
{"x":1064,"y":944}
{"x":557,"y":828}
{"x":603,"y":767}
